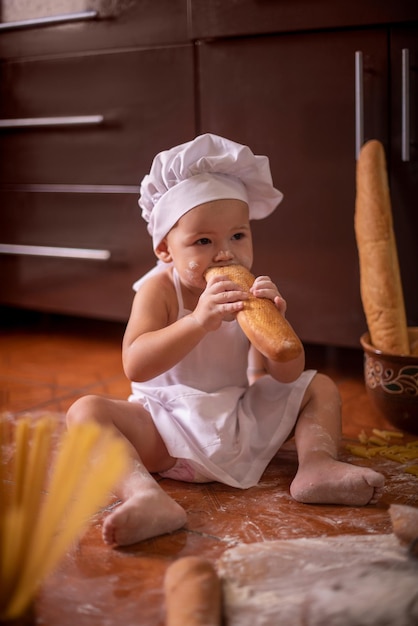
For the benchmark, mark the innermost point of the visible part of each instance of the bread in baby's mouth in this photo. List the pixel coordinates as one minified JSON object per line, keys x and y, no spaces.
{"x":261,"y":321}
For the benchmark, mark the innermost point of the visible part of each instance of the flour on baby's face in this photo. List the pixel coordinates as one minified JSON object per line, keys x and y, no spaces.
{"x":192,"y":271}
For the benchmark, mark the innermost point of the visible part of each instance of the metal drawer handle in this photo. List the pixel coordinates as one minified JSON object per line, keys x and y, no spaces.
{"x":57,"y":252}
{"x":36,"y":122}
{"x":70,"y":188}
{"x":405,"y":104}
{"x":359,"y":102}
{"x":41,"y":22}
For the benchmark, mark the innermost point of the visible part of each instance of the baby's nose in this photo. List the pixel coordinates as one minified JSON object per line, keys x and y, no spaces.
{"x":223,"y":255}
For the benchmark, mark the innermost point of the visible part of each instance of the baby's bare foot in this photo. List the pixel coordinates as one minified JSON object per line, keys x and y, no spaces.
{"x":332,"y":482}
{"x":144,"y":515}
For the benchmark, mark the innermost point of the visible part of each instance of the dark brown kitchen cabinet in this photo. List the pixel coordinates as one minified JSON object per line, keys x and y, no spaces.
{"x":106,"y":92}
{"x":212,"y":19}
{"x":77,"y":134}
{"x":144,"y":97}
{"x":404,"y":168}
{"x":72,"y":227}
{"x":102,"y":25}
{"x":292,"y":97}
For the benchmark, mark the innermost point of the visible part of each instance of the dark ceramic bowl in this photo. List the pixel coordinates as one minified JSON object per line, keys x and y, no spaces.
{"x":392,"y":383}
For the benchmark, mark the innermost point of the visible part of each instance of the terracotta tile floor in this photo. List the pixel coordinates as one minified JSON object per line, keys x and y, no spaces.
{"x":46,"y":362}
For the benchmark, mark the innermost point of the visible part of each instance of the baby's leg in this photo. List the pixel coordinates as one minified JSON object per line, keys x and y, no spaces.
{"x":146,"y":510}
{"x":321,"y":478}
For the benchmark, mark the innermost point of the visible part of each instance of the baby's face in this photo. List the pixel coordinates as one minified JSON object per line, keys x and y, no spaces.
{"x":213,"y":233}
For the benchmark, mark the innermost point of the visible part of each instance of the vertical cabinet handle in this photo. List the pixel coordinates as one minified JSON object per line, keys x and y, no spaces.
{"x":359,"y":103}
{"x":405,"y":104}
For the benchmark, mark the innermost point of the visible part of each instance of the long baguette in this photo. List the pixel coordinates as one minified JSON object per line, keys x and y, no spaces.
{"x":192,"y":593}
{"x":261,"y":321}
{"x":404,"y":520}
{"x":380,"y":279}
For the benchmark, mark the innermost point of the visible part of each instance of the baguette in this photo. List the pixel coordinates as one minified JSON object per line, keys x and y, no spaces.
{"x":405,"y":525}
{"x":192,"y":593}
{"x":380,"y":279}
{"x":261,"y":321}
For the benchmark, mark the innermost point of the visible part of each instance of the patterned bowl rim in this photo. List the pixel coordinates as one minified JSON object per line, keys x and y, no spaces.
{"x":397,"y":358}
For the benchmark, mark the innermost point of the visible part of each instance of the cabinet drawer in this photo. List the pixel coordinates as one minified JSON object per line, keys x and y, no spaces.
{"x":40,"y":278}
{"x":146,"y":100}
{"x":224,"y":18}
{"x":76,"y":220}
{"x":118,"y":24}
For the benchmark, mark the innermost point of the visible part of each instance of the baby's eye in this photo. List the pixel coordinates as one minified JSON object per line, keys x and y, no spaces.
{"x":204,"y":241}
{"x":238,"y":236}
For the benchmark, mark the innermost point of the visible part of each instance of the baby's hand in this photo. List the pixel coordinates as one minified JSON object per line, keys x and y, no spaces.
{"x":263,"y":287}
{"x":221,"y":301}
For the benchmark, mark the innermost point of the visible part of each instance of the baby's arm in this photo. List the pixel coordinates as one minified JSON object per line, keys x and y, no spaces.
{"x":155,"y":340}
{"x":286,"y":372}
{"x":257,"y":366}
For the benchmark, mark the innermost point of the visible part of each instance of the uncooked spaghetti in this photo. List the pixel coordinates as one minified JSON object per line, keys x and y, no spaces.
{"x":44,"y":506}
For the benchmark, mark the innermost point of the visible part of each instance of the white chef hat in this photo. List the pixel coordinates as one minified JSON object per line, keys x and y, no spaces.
{"x":205,"y":169}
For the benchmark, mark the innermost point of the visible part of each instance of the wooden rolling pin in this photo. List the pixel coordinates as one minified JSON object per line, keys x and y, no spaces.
{"x":261,"y":321}
{"x":380,"y":279}
{"x":192,"y":593}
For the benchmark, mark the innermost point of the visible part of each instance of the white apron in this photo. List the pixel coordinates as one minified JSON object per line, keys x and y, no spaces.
{"x":206,"y":412}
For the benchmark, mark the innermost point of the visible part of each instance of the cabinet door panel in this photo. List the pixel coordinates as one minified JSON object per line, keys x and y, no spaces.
{"x":404,"y":174}
{"x":100,"y":289}
{"x":292,"y":98}
{"x":146,"y":98}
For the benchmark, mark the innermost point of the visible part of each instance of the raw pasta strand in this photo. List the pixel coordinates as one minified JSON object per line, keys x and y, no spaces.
{"x":62,"y":490}
{"x":99,"y":480}
{"x":40,"y":521}
{"x":30,"y":470}
{"x":72,"y":446}
{"x":21,"y":511}
{"x":22,"y":443}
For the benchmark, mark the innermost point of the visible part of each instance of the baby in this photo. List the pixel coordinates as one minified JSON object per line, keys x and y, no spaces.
{"x":205,"y":405}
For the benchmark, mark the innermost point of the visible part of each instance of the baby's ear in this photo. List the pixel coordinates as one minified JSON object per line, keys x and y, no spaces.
{"x":162,"y":252}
